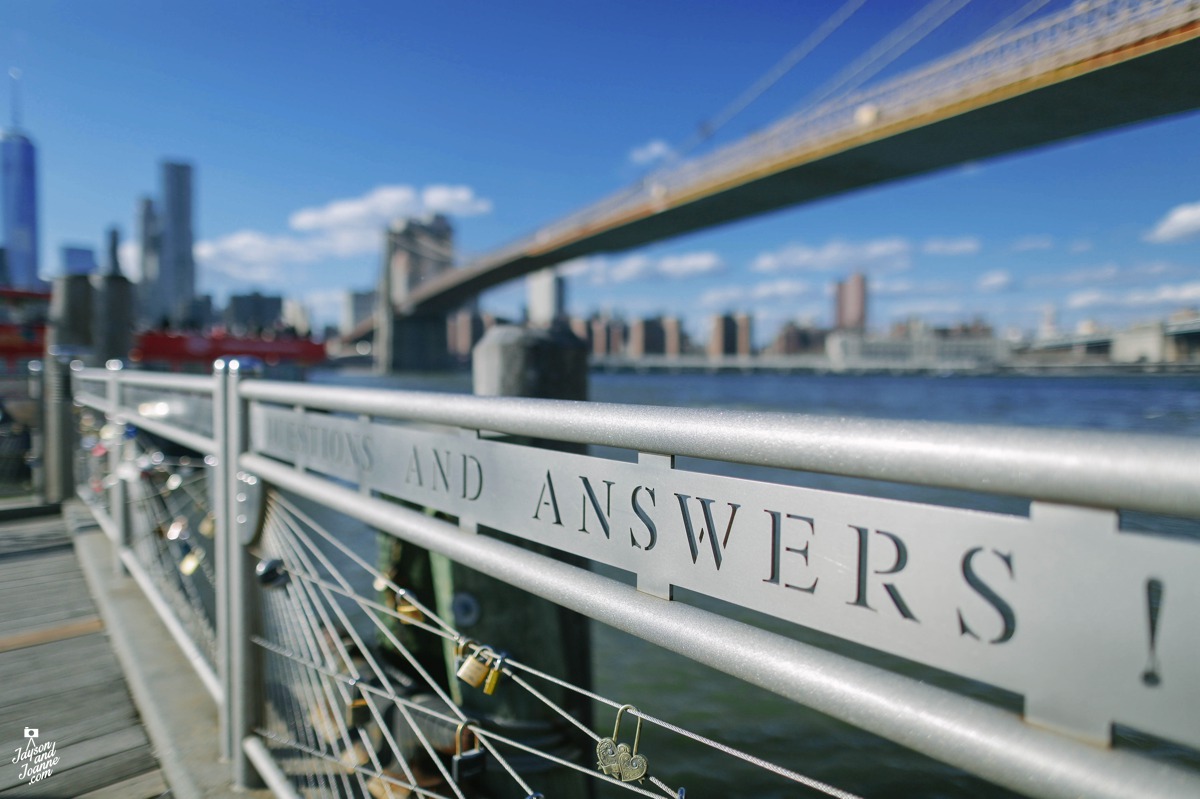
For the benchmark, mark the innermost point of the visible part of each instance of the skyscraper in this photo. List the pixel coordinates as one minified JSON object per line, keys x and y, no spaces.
{"x":19,"y":177}
{"x":177,"y":269}
{"x":850,"y":303}
{"x":167,"y":291}
{"x":151,"y":311}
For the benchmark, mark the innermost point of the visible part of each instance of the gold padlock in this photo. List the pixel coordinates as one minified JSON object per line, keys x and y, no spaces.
{"x":476,"y":667}
{"x":493,"y":676}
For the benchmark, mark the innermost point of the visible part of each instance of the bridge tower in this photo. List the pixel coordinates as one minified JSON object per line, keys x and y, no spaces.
{"x":415,"y":250}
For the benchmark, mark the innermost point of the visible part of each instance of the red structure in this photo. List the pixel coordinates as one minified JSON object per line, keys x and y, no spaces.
{"x":179,"y":349}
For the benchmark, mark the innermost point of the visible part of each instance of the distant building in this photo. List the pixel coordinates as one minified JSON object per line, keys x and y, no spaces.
{"x":167,"y":289}
{"x":18,"y":176}
{"x":850,"y":303}
{"x":177,"y":267}
{"x":152,"y":311}
{"x":794,"y":339}
{"x":464,"y":328}
{"x":675,"y":341}
{"x":547,"y":297}
{"x":253,"y":312}
{"x":731,"y":335}
{"x":78,"y":261}
{"x":295,"y":316}
{"x":722,"y":340}
{"x":646,"y":337}
{"x":357,"y":306}
{"x":582,"y":328}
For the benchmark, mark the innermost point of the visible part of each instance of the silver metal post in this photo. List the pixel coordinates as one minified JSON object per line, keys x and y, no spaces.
{"x":118,"y":492}
{"x":244,"y":691}
{"x":219,"y":464}
{"x":37,"y":443}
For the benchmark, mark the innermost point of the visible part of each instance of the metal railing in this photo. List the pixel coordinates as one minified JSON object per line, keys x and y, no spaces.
{"x":1048,"y":599}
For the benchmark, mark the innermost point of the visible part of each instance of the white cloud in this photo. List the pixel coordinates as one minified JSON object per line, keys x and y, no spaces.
{"x":925,"y":307}
{"x":693,"y":263}
{"x":340,"y":229}
{"x":651,"y":152}
{"x":629,"y":268}
{"x":1081,"y":245}
{"x":964,"y":245}
{"x":1029,"y":243}
{"x":996,"y":280}
{"x":889,"y":253}
{"x":601,"y":270}
{"x":779,"y":289}
{"x":1181,"y":222}
{"x":1161,"y":295}
{"x":129,"y":255}
{"x":383,"y":204}
{"x":724,"y":295}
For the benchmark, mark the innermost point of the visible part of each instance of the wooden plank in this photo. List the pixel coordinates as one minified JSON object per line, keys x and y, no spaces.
{"x":48,"y":660}
{"x":45,"y":635}
{"x":150,"y":785}
{"x":61,"y":594}
{"x":73,"y":756}
{"x":88,"y":776}
{"x":45,"y":712}
{"x":46,"y":619}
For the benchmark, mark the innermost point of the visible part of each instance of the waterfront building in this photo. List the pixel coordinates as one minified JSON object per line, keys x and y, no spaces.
{"x":357,"y":307}
{"x":78,"y":260}
{"x":295,"y":316}
{"x":646,"y":337}
{"x":464,"y":328}
{"x":722,"y":340}
{"x":850,"y":303}
{"x":794,"y":339}
{"x":731,"y":335}
{"x":675,"y":341}
{"x":547,"y":297}
{"x":253,"y":312}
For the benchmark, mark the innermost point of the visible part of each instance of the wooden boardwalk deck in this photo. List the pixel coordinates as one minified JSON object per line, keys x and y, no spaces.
{"x":59,"y":675}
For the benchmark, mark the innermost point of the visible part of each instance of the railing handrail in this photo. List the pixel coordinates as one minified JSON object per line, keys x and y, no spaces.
{"x":164,"y":380}
{"x":1126,"y":471}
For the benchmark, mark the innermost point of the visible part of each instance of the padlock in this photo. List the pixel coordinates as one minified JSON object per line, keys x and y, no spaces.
{"x":467,"y":764}
{"x":358,"y":713}
{"x":409,"y":612}
{"x":493,"y":676}
{"x":475,"y":668}
{"x":617,"y":760}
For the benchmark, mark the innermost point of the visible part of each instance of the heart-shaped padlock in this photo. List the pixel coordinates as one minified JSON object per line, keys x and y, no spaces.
{"x":618,"y":760}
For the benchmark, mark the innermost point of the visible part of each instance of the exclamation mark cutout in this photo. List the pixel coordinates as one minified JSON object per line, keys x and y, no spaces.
{"x":1154,"y":595}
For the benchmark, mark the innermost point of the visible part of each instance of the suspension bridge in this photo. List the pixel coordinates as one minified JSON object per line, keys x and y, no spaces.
{"x":1091,"y":67}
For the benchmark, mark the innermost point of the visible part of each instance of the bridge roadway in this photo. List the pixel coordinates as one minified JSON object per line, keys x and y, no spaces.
{"x":1139,"y":80}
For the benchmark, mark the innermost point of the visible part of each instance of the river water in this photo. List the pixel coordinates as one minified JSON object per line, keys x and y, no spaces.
{"x":712,"y":704}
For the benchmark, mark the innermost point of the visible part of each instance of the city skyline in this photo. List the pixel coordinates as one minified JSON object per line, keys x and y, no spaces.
{"x":292,"y":196}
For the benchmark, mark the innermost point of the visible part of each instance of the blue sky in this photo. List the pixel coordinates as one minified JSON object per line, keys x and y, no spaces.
{"x":311,"y":123}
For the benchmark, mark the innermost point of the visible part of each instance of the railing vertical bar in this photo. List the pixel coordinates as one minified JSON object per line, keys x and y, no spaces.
{"x":220,"y":505}
{"x":118,"y":492}
{"x":245,"y":697}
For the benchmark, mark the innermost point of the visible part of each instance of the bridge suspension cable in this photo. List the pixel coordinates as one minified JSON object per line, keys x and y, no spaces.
{"x":772,"y":76}
{"x":888,"y":49}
